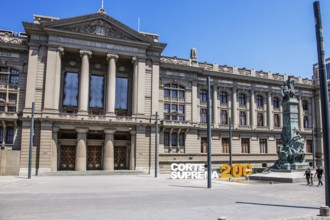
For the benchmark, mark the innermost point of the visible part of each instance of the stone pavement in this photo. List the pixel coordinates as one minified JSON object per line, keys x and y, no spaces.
{"x":142,"y":197}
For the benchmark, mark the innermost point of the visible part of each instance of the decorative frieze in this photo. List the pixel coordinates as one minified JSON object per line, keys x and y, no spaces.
{"x":7,"y":38}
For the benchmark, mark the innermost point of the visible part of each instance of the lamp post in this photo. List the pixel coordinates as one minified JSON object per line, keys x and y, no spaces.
{"x":324,"y":98}
{"x":209,"y":164}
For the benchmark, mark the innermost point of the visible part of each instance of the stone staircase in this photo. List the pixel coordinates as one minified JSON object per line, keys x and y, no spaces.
{"x":93,"y":173}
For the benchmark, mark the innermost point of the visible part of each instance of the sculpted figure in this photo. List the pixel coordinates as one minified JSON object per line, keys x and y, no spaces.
{"x":287,"y":89}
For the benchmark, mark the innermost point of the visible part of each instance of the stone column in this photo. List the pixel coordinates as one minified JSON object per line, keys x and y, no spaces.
{"x":132,"y":154}
{"x":108,"y":160}
{"x":111,"y":84}
{"x":4,"y":134}
{"x":54,"y":147}
{"x":135,"y":86}
{"x":270,"y":112}
{"x":252,"y":109}
{"x":81,"y":150}
{"x":53,"y":79}
{"x":84,"y":82}
{"x":57,"y":82}
{"x":234,"y":108}
{"x":141,"y":85}
{"x":313,"y":112}
{"x":215,"y":106}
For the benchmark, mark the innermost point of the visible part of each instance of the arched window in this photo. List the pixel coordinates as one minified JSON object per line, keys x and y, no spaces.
{"x":260,"y":101}
{"x":223,"y":98}
{"x":242,"y":118}
{"x":305,"y":105}
{"x":203,"y":95}
{"x":276,"y":103}
{"x":242,"y":99}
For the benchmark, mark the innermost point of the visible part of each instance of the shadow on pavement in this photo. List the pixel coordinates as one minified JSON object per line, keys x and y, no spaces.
{"x":287,"y":206}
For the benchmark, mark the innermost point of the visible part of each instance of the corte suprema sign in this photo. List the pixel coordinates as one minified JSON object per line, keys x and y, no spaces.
{"x":197,"y":171}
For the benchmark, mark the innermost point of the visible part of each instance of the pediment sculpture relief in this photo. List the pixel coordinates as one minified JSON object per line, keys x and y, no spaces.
{"x":100,"y":28}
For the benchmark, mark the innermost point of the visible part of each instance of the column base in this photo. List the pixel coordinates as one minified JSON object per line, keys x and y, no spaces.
{"x":110,"y":114}
{"x":82,"y":113}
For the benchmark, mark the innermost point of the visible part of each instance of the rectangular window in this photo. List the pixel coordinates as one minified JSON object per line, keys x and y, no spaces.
{"x":70,"y":93}
{"x":166,"y":139}
{"x":13,"y":79}
{"x":3,"y":78}
{"x":223,"y":117}
{"x":11,"y":109}
{"x":174,"y":108}
{"x":181,"y":109}
{"x":181,"y":139}
{"x":3,"y":97}
{"x":174,"y":139}
{"x":263,"y":146}
{"x":96,"y":92}
{"x":245,"y":145}
{"x":181,"y":117}
{"x":174,"y":93}
{"x":309,"y":146}
{"x":10,"y":135}
{"x":12,"y":98}
{"x":174,"y":117}
{"x":181,"y":94}
{"x":167,"y":108}
{"x":166,"y":93}
{"x":203,"y":115}
{"x":2,"y":108}
{"x":225,"y":145}
{"x":276,"y":120}
{"x":121,"y":93}
{"x":260,"y":120}
{"x":167,"y":117}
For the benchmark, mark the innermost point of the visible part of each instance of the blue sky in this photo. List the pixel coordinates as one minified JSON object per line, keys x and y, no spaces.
{"x":269,"y":35}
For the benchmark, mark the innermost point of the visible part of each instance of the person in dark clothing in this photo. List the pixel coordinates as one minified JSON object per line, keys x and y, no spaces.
{"x":308,"y":176}
{"x":319,"y":173}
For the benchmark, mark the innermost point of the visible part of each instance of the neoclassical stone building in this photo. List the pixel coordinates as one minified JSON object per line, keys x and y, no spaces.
{"x":97,"y":85}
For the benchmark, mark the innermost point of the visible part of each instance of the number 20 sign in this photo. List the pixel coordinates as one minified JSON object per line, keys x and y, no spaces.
{"x":237,"y":170}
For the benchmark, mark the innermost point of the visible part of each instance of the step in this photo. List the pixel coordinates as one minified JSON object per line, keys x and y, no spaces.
{"x":92,"y":173}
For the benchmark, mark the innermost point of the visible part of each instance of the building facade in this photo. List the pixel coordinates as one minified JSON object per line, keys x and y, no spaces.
{"x":97,"y":85}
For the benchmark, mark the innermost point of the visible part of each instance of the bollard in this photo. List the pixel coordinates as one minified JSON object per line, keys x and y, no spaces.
{"x":324,"y":211}
{"x":222,"y":218}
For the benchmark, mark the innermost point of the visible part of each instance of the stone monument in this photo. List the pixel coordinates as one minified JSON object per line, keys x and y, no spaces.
{"x":291,"y":154}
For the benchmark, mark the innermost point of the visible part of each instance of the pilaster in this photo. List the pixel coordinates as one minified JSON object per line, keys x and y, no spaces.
{"x":31,"y":76}
{"x":132,"y":153}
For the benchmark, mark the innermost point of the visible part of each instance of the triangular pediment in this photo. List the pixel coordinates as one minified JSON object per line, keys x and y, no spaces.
{"x":98,"y":25}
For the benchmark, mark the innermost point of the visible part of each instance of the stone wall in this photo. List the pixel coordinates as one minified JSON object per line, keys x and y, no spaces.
{"x":9,"y":163}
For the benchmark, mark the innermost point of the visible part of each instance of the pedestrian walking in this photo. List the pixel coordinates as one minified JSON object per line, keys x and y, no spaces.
{"x":319,"y":173}
{"x":311,"y":180}
{"x":308,"y":176}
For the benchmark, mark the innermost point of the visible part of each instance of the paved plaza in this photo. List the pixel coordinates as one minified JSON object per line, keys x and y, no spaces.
{"x":145,"y":197}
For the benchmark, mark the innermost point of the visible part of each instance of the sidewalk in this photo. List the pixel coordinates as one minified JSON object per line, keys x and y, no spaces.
{"x":145,"y":197}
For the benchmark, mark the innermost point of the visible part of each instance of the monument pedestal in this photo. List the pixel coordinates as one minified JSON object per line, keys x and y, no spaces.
{"x":299,"y":166}
{"x":284,"y":176}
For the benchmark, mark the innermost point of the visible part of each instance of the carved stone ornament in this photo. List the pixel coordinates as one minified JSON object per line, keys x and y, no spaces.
{"x":100,"y":28}
{"x":6,"y":38}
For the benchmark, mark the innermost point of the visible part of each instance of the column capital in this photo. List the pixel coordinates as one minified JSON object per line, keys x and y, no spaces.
{"x":109,"y":56}
{"x":110,"y":131}
{"x":133,"y":132}
{"x":86,"y":52}
{"x":134,"y":59}
{"x":61,"y":50}
{"x":82,"y":130}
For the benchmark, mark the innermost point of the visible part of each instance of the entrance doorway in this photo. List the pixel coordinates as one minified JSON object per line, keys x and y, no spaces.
{"x":67,"y":157}
{"x":121,"y":158}
{"x":94,"y":157}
